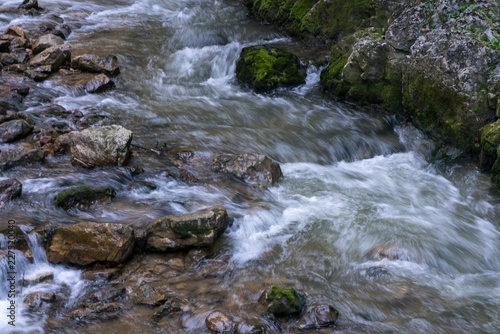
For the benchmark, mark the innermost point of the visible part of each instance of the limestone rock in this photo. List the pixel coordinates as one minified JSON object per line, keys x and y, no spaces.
{"x":100,"y":146}
{"x":86,"y":243}
{"x":256,"y":168}
{"x":92,"y":63}
{"x":218,"y":322}
{"x":200,"y":228}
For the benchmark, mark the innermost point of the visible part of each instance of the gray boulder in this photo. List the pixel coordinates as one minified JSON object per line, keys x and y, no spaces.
{"x":12,"y":130}
{"x":200,"y":228}
{"x":25,"y":158}
{"x":100,"y":146}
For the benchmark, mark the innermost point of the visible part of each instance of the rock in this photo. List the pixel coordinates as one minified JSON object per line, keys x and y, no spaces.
{"x":55,"y":56}
{"x":200,"y":228}
{"x":62,"y":143}
{"x":36,"y":75}
{"x":173,"y":305}
{"x":4,"y":45}
{"x":365,"y":69}
{"x":37,"y":299}
{"x":16,"y":68}
{"x":147,"y":294}
{"x":218,"y":322}
{"x":86,"y":243}
{"x":40,"y":278}
{"x":25,"y":158}
{"x":9,"y":189}
{"x":62,"y":30}
{"x":100,"y":146}
{"x":102,"y":274}
{"x":387,"y":252}
{"x":101,"y":311}
{"x":83,"y":197}
{"x":135,"y":170}
{"x":12,"y":130}
{"x":264,"y":68}
{"x":256,"y":168}
{"x":29,"y":4}
{"x":45,"y":42}
{"x":19,"y":45}
{"x":177,"y":264}
{"x":13,"y":58}
{"x":98,"y":84}
{"x":243,"y":328}
{"x":318,"y":317}
{"x":15,"y":31}
{"x":282,"y":301}
{"x":489,"y":159}
{"x":95,"y":64}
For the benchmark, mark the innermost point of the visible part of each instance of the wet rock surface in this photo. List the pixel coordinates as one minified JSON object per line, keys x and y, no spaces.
{"x":10,"y":189}
{"x":101,"y":146}
{"x":282,"y":301}
{"x":200,"y":228}
{"x":83,"y":197}
{"x":86,"y":243}
{"x":12,"y":130}
{"x":218,"y":322}
{"x":95,"y":64}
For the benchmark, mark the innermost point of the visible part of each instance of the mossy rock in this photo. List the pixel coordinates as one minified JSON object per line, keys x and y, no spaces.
{"x":83,"y":197}
{"x":282,"y":301}
{"x":490,"y":142}
{"x":264,"y":68}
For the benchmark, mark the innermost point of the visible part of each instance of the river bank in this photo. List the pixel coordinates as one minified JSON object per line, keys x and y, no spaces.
{"x":368,"y":217}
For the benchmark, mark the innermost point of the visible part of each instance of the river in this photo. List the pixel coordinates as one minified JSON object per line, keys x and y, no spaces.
{"x":354,"y":180}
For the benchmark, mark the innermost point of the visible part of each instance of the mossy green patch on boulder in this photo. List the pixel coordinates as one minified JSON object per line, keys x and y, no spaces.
{"x":82,"y":197}
{"x":490,"y":142}
{"x":282,"y":301}
{"x":264,"y":68}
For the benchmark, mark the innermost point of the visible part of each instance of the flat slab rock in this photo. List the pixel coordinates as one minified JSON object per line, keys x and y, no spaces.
{"x":86,"y":243}
{"x":200,"y":228}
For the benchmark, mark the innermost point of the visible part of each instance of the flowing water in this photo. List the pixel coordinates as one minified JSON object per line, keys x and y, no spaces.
{"x":353,"y":180}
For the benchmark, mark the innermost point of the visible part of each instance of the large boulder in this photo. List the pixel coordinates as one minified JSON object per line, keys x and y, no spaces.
{"x":45,"y":42}
{"x":100,"y":146}
{"x":83,"y":197}
{"x":200,"y":228}
{"x":55,"y":56}
{"x":255,"y":168}
{"x":96,"y":64}
{"x":265,"y":68}
{"x":9,"y":189}
{"x":12,"y":130}
{"x":86,"y":243}
{"x":282,"y":301}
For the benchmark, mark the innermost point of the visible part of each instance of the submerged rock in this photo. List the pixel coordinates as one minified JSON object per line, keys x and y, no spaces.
{"x":36,"y":299}
{"x":265,"y":68}
{"x":256,"y":168}
{"x":318,"y":317}
{"x":200,"y":228}
{"x":171,"y":306}
{"x":282,"y":301}
{"x":45,"y":42}
{"x":86,"y":243}
{"x":218,"y":322}
{"x":92,"y":63}
{"x":83,"y":197}
{"x":24,"y":158}
{"x":12,"y":130}
{"x":100,"y":146}
{"x":9,"y":189}
{"x":99,"y":310}
{"x":40,"y":278}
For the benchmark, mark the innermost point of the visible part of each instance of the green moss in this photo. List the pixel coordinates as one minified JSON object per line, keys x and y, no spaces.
{"x":284,"y":301}
{"x":495,"y":170}
{"x":82,"y":197}
{"x":265,"y":68}
{"x":490,"y":142}
{"x":188,"y":230}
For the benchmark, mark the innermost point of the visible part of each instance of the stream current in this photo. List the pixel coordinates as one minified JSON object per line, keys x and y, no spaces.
{"x":353,"y":180}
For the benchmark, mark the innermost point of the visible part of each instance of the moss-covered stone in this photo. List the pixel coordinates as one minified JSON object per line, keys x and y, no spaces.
{"x":82,"y":197}
{"x":282,"y":301}
{"x":265,"y":68}
{"x":490,"y":142}
{"x":188,"y":230}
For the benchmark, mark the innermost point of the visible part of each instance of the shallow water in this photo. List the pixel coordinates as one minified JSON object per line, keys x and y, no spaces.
{"x":353,"y":179}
